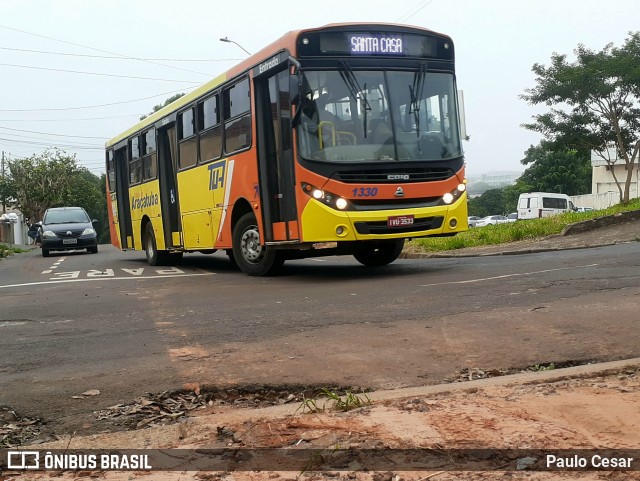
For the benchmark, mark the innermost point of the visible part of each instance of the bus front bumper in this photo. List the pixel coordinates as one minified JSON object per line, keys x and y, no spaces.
{"x":321,"y":223}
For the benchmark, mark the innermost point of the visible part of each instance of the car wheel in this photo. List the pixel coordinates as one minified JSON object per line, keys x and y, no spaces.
{"x":251,"y":257}
{"x":45,"y":252}
{"x":378,"y":253}
{"x":92,"y":250}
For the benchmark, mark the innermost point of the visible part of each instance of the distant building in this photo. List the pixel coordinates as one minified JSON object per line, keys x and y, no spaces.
{"x":604,"y":191}
{"x":495,"y":179}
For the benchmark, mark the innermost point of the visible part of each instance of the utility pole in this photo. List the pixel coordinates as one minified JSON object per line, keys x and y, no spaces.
{"x":4,"y":209}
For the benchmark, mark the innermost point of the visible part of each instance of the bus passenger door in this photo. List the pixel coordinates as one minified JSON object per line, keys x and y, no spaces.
{"x":275,"y":157}
{"x":122,"y":193}
{"x":168,"y":193}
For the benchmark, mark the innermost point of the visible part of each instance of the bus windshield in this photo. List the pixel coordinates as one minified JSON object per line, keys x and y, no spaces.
{"x":364,"y":116}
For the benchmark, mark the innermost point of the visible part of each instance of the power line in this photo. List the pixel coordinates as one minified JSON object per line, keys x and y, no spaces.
{"x":99,"y":50}
{"x":123,"y":58}
{"x":51,"y":140}
{"x":56,"y":135}
{"x":71,"y":120}
{"x":415,"y":11}
{"x":24,"y":142}
{"x":93,"y":106}
{"x":98,"y":73}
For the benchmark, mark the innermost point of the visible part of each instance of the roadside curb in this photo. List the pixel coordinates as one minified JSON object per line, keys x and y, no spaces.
{"x":524,"y":378}
{"x":591,"y":224}
{"x":565,"y":237}
{"x":515,"y":252}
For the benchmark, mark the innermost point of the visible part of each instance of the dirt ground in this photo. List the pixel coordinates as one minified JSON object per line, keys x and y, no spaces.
{"x":550,"y":410}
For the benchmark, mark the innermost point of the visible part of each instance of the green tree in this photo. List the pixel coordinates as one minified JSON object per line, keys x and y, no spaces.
{"x":161,"y":106}
{"x":595,"y":103}
{"x":54,"y":179}
{"x":511,"y":193}
{"x":489,"y":203}
{"x":550,"y":170}
{"x":7,"y":191}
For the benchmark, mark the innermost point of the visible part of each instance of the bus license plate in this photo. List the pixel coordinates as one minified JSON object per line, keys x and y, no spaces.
{"x":69,"y":241}
{"x":399,"y":220}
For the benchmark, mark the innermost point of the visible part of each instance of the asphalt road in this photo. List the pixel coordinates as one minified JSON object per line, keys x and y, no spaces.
{"x":110,"y":322}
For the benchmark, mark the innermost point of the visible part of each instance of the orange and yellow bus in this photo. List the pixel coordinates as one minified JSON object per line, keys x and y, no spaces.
{"x":343,"y":139}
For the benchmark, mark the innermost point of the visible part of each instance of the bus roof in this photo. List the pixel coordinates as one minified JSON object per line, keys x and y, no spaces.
{"x":287,"y":41}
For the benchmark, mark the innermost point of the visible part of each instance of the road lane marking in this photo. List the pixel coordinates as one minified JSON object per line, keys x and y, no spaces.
{"x":54,"y":266}
{"x":482,"y":279}
{"x":96,"y":279}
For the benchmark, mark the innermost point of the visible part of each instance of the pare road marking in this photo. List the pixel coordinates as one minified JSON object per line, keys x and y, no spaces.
{"x":103,"y":278}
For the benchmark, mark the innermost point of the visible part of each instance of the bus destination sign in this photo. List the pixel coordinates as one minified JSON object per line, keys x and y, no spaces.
{"x":375,"y":44}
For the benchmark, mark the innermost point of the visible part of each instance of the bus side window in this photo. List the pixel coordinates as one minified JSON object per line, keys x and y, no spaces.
{"x":237,"y":116}
{"x":209,"y":129}
{"x":149,"y":159}
{"x":188,"y":150}
{"x":135,"y":162}
{"x":111,"y":171}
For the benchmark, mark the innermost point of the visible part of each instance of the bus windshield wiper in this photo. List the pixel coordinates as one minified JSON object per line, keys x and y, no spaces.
{"x":351,"y":81}
{"x":415,"y":92}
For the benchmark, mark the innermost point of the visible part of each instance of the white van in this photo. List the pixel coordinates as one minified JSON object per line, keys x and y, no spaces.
{"x":533,"y":205}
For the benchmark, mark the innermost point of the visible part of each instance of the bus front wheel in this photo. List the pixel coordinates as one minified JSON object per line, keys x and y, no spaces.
{"x":378,"y":253}
{"x":250,"y":255}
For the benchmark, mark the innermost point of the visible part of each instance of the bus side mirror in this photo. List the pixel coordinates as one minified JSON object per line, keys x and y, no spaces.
{"x":294,"y":88}
{"x":295,"y":81}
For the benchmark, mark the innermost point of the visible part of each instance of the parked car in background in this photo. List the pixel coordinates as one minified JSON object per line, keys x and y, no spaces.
{"x":492,"y":220}
{"x":512,"y":217}
{"x":534,"y":205}
{"x":473,"y":220}
{"x":66,"y":228}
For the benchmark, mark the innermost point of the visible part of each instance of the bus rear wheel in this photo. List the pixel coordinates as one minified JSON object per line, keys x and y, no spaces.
{"x":378,"y":253}
{"x":154,"y":256}
{"x":251,"y":257}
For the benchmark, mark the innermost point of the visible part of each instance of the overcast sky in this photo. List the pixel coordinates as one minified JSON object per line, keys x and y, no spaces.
{"x":45,"y":100}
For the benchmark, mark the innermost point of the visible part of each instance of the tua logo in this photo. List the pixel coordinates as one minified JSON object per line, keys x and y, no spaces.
{"x":216,"y":175}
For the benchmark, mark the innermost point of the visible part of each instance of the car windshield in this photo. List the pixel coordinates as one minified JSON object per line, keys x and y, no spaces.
{"x":355,"y":116}
{"x":66,"y":216}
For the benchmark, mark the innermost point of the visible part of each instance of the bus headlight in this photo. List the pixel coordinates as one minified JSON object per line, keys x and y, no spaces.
{"x":332,"y":200}
{"x":341,"y":203}
{"x":451,"y":197}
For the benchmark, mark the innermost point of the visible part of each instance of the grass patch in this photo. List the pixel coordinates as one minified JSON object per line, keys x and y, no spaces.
{"x":6,"y":251}
{"x":344,"y":403}
{"x":516,"y":231}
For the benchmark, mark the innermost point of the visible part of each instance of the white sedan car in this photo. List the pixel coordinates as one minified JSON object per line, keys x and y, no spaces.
{"x":492,"y":220}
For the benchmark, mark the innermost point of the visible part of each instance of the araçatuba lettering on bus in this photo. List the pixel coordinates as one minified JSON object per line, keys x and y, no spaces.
{"x":143,"y":202}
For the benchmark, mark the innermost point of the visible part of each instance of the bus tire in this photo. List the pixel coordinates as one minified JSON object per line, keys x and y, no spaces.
{"x":154,"y":256}
{"x":251,"y":257}
{"x":378,"y":253}
{"x":232,"y":259}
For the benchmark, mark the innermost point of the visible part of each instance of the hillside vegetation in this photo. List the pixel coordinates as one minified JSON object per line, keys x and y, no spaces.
{"x":516,"y":231}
